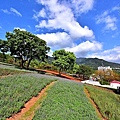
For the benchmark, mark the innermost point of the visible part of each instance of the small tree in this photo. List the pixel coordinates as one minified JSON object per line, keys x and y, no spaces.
{"x":84,"y":71}
{"x":75,"y":68}
{"x":26,"y":46}
{"x":107,"y":75}
{"x":64,"y":60}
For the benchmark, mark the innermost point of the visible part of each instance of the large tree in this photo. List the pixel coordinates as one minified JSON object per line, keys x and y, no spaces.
{"x":64,"y":60}
{"x":26,"y":46}
{"x":3,"y":47}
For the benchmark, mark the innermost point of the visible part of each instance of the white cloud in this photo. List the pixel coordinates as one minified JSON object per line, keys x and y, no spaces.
{"x":107,"y":20}
{"x":50,"y":53}
{"x":5,"y":11}
{"x":62,"y":17}
{"x":63,"y":41}
{"x":12,"y":11}
{"x":82,"y":6}
{"x":21,"y":29}
{"x":15,"y":11}
{"x":41,"y":13}
{"x":82,"y":49}
{"x":112,"y":55}
{"x":57,"y":40}
{"x":116,"y":8}
{"x":79,"y":6}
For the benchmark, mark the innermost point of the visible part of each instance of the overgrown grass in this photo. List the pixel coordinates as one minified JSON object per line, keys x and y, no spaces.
{"x":4,"y":72}
{"x":16,"y":90}
{"x":108,"y":102}
{"x":66,"y":101}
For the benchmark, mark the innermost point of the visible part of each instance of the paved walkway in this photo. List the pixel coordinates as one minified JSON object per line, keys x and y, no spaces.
{"x":97,"y":84}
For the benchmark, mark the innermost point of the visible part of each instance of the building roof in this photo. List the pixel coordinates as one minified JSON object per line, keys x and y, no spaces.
{"x":114,"y":81}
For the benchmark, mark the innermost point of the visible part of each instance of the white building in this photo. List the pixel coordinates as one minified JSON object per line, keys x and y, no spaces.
{"x":104,"y":68}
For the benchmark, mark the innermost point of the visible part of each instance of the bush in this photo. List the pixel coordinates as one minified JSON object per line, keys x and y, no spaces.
{"x":104,"y":82}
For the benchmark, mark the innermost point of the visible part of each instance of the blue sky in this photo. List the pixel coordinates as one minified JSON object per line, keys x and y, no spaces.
{"x":89,"y":28}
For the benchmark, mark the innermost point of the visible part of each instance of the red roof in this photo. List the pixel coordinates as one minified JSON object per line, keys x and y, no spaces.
{"x":114,"y":81}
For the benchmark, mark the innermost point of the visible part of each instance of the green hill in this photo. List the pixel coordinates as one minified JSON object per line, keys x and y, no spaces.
{"x":95,"y":62}
{"x":92,"y":62}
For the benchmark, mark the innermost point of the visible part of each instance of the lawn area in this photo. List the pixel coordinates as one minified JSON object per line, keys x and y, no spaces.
{"x":16,"y":90}
{"x":108,"y":102}
{"x":66,"y":100}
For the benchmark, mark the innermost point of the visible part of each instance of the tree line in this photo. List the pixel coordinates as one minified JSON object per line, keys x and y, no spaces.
{"x":26,"y":47}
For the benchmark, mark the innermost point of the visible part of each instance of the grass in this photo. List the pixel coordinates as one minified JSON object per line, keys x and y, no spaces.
{"x":16,"y":90}
{"x":108,"y":102}
{"x":5,"y":72}
{"x":66,"y":101}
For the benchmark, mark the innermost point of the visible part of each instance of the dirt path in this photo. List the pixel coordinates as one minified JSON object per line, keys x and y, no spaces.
{"x":57,"y":73}
{"x":27,"y":113}
{"x":94,"y":105}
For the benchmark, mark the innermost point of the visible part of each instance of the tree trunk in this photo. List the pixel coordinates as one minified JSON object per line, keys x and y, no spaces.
{"x":22,"y":62}
{"x":4,"y":56}
{"x":28,"y":63}
{"x":60,"y":72}
{"x":83,"y":77}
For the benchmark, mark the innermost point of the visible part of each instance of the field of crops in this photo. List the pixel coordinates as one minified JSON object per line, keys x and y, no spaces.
{"x":66,"y":101}
{"x":108,"y":102}
{"x":16,"y":90}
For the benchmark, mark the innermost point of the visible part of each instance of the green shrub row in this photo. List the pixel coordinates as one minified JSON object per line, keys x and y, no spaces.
{"x":66,"y":101}
{"x":16,"y":90}
{"x":108,"y":102}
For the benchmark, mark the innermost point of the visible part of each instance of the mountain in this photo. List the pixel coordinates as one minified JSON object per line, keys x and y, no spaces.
{"x":92,"y":62}
{"x":95,"y":62}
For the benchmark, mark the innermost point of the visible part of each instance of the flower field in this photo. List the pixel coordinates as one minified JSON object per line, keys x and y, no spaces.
{"x":107,"y":102}
{"x":66,"y":101}
{"x":16,"y":90}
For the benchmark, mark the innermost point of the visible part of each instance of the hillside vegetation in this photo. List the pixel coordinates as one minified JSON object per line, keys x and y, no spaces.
{"x":92,"y":62}
{"x":95,"y":62}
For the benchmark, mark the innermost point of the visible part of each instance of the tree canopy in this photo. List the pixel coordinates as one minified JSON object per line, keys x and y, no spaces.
{"x":64,"y":60}
{"x":26,"y":46}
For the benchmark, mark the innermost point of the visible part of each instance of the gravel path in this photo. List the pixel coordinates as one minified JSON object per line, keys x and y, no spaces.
{"x":50,"y":77}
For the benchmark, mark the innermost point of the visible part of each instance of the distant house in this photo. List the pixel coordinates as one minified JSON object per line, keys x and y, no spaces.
{"x":115,"y":84}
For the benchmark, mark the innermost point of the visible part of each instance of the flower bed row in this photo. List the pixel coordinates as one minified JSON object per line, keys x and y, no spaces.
{"x":66,"y":101}
{"x":16,"y":90}
{"x":107,"y":102}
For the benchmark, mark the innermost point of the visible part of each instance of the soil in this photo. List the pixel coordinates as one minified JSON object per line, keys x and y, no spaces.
{"x":57,"y":74}
{"x":29,"y":105}
{"x":94,"y":105}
